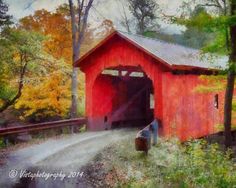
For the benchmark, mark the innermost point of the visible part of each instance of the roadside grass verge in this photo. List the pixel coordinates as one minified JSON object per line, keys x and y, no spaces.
{"x":169,"y":164}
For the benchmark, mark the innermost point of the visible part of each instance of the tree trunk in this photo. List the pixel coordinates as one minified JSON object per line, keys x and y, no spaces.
{"x":228,"y":108}
{"x":19,"y":92}
{"x":141,"y":26}
{"x":230,"y":80}
{"x":78,"y":27}
{"x":74,"y":92}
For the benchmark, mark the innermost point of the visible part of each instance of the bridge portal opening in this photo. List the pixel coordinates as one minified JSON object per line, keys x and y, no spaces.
{"x":123,"y":97}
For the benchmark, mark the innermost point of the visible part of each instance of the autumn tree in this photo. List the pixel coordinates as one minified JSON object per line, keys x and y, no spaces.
{"x":56,"y":26}
{"x":42,"y":99}
{"x":40,"y":106}
{"x":22,"y":52}
{"x":144,"y":12}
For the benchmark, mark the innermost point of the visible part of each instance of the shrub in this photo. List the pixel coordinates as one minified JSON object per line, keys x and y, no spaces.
{"x":172,"y":164}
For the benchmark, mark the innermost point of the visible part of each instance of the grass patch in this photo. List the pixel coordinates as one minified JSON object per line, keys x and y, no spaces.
{"x":171,"y":164}
{"x":2,"y":145}
{"x":82,"y":129}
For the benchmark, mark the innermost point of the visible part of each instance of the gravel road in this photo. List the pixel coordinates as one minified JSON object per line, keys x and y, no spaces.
{"x":58,"y":157}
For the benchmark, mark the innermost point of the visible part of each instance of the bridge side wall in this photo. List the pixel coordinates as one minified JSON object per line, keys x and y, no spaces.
{"x":188,"y":113}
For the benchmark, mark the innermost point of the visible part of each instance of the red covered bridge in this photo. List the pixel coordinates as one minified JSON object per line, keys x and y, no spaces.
{"x":131,"y":79}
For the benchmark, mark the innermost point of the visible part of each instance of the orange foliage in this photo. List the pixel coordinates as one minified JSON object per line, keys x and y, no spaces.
{"x":52,"y":96}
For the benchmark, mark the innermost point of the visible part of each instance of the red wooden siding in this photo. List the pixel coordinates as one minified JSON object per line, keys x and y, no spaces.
{"x":183,"y":112}
{"x":187,"y":112}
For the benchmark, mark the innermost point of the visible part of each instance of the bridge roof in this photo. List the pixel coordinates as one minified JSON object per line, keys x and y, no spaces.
{"x":174,"y":55}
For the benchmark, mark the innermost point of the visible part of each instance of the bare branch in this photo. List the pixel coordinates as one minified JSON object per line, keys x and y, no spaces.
{"x":83,"y":27}
{"x":124,"y":17}
{"x":29,"y":4}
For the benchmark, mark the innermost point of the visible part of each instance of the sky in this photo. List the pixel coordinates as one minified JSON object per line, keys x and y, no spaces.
{"x":108,"y":9}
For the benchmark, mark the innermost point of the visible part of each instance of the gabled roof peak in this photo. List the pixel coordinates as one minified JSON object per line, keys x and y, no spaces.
{"x":174,"y":55}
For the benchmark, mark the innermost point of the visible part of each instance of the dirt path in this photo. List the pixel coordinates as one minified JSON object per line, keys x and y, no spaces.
{"x":66,"y":155}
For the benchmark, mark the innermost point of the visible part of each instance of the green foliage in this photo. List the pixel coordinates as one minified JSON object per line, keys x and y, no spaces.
{"x":82,"y":129}
{"x":195,"y":36}
{"x":17,"y":47}
{"x":202,"y":165}
{"x":203,"y":20}
{"x":218,"y":45}
{"x":150,"y":34}
{"x":81,"y":104}
{"x":2,"y":144}
{"x":20,"y":46}
{"x":163,"y":36}
{"x":171,"y":164}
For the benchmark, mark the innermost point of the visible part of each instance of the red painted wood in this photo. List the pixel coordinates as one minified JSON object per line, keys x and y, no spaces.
{"x":183,"y":112}
{"x":188,"y":113}
{"x":103,"y":96}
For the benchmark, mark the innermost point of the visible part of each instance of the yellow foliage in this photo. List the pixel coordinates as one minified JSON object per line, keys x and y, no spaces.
{"x":50,"y":97}
{"x":211,"y":84}
{"x":1,"y":102}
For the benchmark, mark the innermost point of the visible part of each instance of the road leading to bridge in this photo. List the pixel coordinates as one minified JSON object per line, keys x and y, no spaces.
{"x":67,"y":154}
